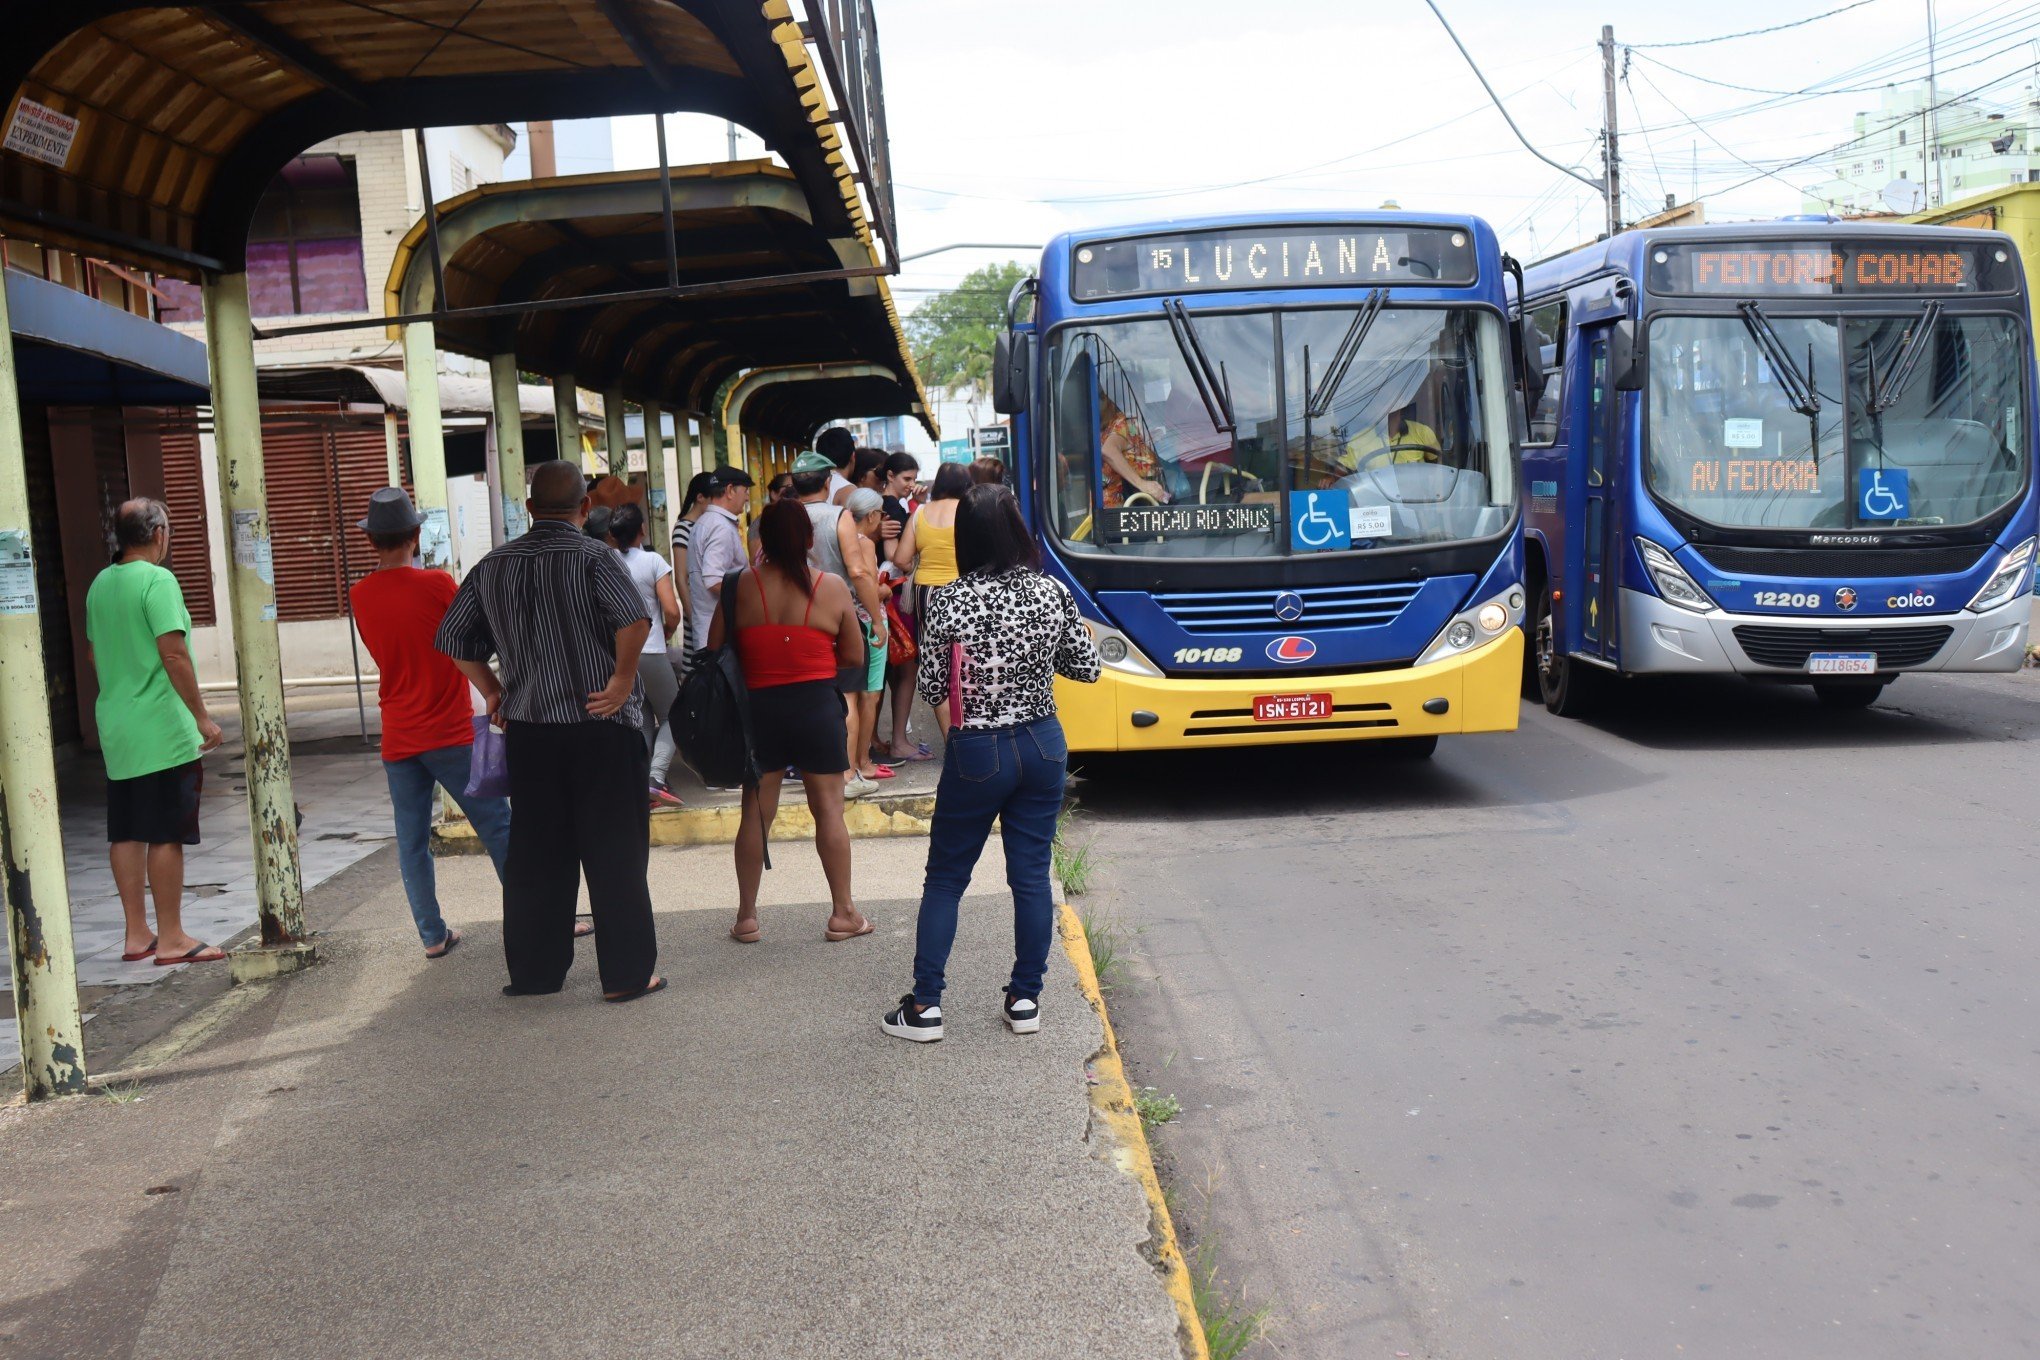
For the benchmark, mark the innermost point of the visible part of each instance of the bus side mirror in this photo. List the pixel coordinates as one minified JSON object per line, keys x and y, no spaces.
{"x":1012,"y":372}
{"x":1530,"y":354}
{"x":1625,"y":358}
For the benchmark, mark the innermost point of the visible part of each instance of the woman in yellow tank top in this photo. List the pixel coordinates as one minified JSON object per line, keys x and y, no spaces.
{"x":927,"y":546}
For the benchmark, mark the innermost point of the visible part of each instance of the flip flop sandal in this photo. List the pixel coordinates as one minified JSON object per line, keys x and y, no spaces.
{"x":139,"y":955}
{"x":198,"y":953}
{"x":751,"y":936}
{"x":883,"y":772}
{"x":838,"y":936}
{"x":655,"y":985}
{"x":446,"y":946}
{"x":583,"y":929}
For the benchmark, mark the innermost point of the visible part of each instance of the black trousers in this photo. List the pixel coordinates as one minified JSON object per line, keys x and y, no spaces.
{"x":578,"y":807}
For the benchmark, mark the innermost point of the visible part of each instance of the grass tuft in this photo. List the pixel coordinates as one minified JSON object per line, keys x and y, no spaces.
{"x":1074,"y":864}
{"x":1229,"y":1325}
{"x":122,"y":1093}
{"x":1103,"y":934}
{"x":1155,"y":1108}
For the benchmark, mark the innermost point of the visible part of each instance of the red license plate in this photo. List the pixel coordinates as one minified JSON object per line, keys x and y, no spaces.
{"x":1291,"y":707}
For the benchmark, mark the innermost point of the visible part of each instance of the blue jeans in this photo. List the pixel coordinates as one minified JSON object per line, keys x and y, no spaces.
{"x":411,"y":782}
{"x":1016,"y":775}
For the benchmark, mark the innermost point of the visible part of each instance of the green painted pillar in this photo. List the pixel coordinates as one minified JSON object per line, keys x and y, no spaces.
{"x":392,"y":450}
{"x":509,"y":415}
{"x":616,"y":438}
{"x":251,"y":593}
{"x":655,"y":478}
{"x":428,"y":447}
{"x":685,"y":457}
{"x":567,"y":418}
{"x":37,"y":897}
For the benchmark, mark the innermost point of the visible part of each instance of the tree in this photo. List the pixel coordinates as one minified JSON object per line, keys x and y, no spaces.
{"x":953,"y":331}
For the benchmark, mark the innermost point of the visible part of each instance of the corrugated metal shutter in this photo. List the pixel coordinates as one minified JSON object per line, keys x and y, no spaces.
{"x":312,"y":513}
{"x":184,"y":493}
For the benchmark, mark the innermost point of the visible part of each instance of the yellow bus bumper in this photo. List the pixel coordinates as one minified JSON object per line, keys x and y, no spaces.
{"x":1481,"y":691}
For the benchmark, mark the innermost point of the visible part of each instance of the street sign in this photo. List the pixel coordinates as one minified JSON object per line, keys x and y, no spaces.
{"x":996,"y":440}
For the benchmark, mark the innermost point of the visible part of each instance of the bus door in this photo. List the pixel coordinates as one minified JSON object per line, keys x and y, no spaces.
{"x":1590,"y":610}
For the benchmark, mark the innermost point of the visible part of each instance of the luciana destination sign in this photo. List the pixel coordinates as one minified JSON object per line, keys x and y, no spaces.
{"x":1289,"y":257}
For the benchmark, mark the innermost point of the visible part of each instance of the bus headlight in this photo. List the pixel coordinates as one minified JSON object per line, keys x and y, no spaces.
{"x":1117,"y":651}
{"x":1479,"y":623}
{"x":1671,"y":580}
{"x":2007,"y":580}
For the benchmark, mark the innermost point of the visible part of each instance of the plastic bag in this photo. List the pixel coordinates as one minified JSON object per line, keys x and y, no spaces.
{"x":488,"y":762}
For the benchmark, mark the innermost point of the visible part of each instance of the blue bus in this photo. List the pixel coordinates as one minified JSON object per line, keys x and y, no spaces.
{"x":1274,"y":460}
{"x":1793,"y":451}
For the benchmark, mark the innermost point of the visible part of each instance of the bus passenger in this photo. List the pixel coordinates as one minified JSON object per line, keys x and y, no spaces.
{"x":1129,"y":458}
{"x":1398,"y":439}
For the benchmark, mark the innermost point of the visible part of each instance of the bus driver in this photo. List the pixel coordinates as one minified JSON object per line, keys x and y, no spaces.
{"x":1397,"y":439}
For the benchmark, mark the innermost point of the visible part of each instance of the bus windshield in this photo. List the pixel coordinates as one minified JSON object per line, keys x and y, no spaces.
{"x":1261,"y":434}
{"x":1915,"y":420}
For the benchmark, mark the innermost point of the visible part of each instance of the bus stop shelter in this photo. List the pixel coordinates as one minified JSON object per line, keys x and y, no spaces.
{"x":145,"y":132}
{"x":709,"y":271}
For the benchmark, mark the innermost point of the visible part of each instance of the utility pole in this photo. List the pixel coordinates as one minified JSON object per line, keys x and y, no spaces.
{"x":732,"y":126}
{"x":1611,"y":154}
{"x":1939,"y":189}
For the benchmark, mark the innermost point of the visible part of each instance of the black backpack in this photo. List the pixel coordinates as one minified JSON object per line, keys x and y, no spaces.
{"x":712,"y":715}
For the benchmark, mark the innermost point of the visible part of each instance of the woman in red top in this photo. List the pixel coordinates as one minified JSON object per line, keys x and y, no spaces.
{"x":794,"y":627}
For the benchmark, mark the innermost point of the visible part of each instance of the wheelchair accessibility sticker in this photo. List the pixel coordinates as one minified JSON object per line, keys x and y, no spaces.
{"x":1884,"y":493}
{"x":1320,"y":521}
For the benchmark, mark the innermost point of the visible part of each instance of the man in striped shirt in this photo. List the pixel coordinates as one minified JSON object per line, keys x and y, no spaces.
{"x":563,"y":619}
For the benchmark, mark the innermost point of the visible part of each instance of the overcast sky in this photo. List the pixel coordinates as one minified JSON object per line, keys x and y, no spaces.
{"x":1011,"y":122}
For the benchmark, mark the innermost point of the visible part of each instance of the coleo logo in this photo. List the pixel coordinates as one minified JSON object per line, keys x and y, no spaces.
{"x":1916,"y":600}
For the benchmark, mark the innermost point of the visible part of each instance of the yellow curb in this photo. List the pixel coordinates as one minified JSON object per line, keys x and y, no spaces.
{"x":867,"y":818}
{"x":1112,"y":1102}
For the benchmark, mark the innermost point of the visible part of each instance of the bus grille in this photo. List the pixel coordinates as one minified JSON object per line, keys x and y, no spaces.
{"x":1828,"y":564}
{"x":1253,"y":611}
{"x":1789,"y":647}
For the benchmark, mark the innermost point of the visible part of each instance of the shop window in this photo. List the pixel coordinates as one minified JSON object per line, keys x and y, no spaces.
{"x":304,"y":247}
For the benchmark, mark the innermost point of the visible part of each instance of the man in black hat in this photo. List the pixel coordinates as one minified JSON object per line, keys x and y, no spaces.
{"x":427,"y":728}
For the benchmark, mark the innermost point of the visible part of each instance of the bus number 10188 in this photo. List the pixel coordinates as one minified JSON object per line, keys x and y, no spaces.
{"x":1190,"y":656}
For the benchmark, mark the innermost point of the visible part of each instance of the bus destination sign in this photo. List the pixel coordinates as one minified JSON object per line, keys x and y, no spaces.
{"x":1120,"y":524}
{"x":1823,"y":268}
{"x":1230,"y":258}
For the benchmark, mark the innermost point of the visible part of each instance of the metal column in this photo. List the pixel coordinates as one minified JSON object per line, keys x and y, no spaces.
{"x":428,"y":447}
{"x":567,"y":418}
{"x":38,"y":900}
{"x":686,"y":457}
{"x":615,"y":436}
{"x":258,"y":662}
{"x":391,"y":448}
{"x":509,"y":414}
{"x":655,"y":476}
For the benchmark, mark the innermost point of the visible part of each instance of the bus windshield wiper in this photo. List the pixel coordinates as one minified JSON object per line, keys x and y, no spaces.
{"x":1320,"y":401}
{"x":1905,"y":363}
{"x":1212,"y":388}
{"x":1798,"y":385}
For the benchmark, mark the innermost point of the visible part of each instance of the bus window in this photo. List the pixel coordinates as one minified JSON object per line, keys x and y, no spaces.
{"x":1727,"y":444}
{"x":1412,"y":425}
{"x":1549,"y":323}
{"x":1141,"y":465}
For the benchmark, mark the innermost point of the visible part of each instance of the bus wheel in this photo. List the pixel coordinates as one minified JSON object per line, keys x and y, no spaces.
{"x":1569,"y":689}
{"x":1409,"y":748}
{"x":1848,"y":696}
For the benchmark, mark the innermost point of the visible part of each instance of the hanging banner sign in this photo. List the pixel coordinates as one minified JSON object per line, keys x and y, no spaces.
{"x":40,"y":133}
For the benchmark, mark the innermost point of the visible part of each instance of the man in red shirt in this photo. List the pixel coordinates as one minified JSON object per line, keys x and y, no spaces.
{"x":427,"y":714}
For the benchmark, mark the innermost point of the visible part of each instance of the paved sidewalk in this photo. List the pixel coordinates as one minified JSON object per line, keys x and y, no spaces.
{"x":385,"y":1157}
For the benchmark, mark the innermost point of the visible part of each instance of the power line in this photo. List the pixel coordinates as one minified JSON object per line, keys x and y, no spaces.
{"x":1754,"y":32}
{"x":1503,"y":109}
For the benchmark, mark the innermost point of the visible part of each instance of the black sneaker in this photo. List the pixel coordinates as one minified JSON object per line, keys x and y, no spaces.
{"x":922,"y":1024}
{"x":1023,"y":1014}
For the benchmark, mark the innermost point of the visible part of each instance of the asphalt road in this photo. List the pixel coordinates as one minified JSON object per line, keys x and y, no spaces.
{"x":1707,"y":1028}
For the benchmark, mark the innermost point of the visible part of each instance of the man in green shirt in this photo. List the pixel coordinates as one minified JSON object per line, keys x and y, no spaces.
{"x":153,"y":728}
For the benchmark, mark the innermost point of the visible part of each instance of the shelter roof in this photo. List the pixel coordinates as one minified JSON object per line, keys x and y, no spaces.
{"x":73,"y":348}
{"x":757,"y":269}
{"x":146,"y":131}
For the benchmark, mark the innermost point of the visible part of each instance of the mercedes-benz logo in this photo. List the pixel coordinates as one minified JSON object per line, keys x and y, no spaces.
{"x":1289,"y":606}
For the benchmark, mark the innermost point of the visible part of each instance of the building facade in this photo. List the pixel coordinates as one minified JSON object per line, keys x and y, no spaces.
{"x":1907,"y":155}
